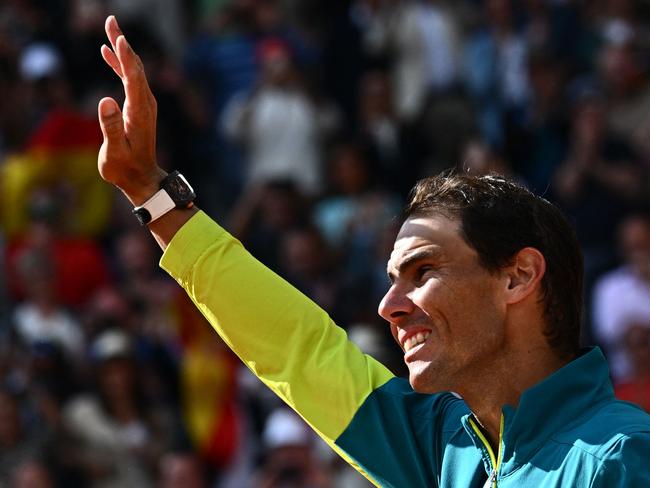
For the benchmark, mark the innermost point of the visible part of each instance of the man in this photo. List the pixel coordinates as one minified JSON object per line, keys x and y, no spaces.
{"x":622,"y":296}
{"x":485,"y":301}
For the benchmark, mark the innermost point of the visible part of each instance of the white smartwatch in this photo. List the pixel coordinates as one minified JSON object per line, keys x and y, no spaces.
{"x":175,"y":192}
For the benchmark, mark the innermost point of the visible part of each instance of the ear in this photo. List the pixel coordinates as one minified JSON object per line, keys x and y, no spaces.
{"x":524,"y":274}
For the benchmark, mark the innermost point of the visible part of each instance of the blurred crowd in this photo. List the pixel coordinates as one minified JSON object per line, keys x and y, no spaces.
{"x":302,"y":125}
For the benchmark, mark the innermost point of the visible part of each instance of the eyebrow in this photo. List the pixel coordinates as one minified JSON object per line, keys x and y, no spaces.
{"x":413,"y":258}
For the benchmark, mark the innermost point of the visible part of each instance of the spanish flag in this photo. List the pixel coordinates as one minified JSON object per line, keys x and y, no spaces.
{"x":62,"y":152}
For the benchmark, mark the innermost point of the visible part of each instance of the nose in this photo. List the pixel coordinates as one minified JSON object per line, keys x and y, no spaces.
{"x":396,"y":303}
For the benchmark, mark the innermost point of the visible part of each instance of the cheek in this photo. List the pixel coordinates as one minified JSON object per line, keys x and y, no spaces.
{"x":434,"y":298}
{"x":458,"y":306}
{"x":480,"y":312}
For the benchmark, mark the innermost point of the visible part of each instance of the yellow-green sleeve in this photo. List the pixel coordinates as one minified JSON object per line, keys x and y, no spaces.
{"x":283,"y":337}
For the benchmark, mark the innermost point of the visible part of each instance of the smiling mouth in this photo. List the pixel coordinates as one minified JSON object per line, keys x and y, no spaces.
{"x":415,"y":340}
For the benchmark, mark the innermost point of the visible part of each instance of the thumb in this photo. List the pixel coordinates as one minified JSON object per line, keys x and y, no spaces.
{"x":110,"y":121}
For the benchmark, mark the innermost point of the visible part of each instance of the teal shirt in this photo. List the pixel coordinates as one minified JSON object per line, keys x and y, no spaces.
{"x":567,"y":431}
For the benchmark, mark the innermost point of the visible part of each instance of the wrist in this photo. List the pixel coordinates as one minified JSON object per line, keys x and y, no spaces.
{"x":138,"y":189}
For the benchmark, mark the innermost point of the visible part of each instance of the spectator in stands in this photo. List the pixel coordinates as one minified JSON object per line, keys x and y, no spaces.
{"x":290,"y":459}
{"x":108,"y":308}
{"x":180,"y":470}
{"x":220,"y":62}
{"x":380,"y":130}
{"x":119,"y":437}
{"x":356,"y":208}
{"x":41,"y":316}
{"x":622,"y":298}
{"x":598,"y":183}
{"x":539,"y":146}
{"x":495,"y":72}
{"x":280,"y":123}
{"x":421,"y":40}
{"x":627,"y":87}
{"x":352,"y":218}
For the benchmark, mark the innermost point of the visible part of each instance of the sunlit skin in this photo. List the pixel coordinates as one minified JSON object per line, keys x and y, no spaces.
{"x":485,"y":328}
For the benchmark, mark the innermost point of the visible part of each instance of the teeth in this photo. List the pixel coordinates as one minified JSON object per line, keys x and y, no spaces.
{"x":413,"y":341}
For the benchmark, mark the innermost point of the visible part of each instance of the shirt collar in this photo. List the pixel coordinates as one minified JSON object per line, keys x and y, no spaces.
{"x":554,"y":403}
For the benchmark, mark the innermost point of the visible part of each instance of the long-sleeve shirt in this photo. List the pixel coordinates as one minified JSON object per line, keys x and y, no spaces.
{"x":567,"y":430}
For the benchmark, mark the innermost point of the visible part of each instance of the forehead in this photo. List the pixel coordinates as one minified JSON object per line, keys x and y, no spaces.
{"x":436,"y":233}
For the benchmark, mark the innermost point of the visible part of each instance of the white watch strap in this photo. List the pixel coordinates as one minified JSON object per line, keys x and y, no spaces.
{"x":158,"y":205}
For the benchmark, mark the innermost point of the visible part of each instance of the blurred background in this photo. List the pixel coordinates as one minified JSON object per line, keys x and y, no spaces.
{"x":302,"y":124}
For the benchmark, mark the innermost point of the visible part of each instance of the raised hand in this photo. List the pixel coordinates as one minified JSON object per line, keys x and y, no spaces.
{"x":127,"y":157}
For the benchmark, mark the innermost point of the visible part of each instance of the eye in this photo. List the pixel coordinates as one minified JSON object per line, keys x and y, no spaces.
{"x":422,"y":271}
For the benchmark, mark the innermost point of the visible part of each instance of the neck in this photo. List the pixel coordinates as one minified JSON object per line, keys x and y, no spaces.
{"x":503,"y":381}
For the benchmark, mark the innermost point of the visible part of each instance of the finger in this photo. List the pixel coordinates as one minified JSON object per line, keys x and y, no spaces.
{"x":110,"y":121}
{"x":135,"y":83}
{"x":111,"y":59}
{"x":113,"y":30}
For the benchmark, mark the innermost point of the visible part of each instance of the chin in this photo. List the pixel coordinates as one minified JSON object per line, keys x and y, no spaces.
{"x":423,"y":381}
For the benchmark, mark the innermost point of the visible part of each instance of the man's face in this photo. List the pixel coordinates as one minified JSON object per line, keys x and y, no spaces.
{"x":444,"y":309}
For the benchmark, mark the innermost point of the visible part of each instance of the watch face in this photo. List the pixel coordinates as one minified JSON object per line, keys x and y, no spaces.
{"x":179,"y":189}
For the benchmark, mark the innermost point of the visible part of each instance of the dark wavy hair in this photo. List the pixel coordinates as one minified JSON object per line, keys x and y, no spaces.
{"x":498,"y":218}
